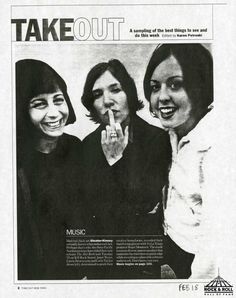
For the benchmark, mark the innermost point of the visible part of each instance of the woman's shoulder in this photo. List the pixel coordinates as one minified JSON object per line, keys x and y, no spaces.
{"x":70,"y":139}
{"x":148,"y":130}
{"x":69,"y":143}
{"x":152,"y":139}
{"x":93,"y":137}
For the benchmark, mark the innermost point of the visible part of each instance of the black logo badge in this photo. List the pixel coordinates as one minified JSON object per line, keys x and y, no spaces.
{"x":218,"y":286}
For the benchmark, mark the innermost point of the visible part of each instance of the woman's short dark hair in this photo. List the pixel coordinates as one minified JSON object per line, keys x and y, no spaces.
{"x":197,"y":66}
{"x":35,"y":77}
{"x":118,"y":70}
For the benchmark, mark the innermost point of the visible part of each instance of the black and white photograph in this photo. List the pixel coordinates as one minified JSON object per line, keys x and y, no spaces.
{"x":122,"y":149}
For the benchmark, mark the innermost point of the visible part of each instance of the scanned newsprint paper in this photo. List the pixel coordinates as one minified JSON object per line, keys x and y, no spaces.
{"x":118,"y":160}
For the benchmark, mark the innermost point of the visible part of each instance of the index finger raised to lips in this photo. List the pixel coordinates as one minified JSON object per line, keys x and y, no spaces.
{"x":111,"y":118}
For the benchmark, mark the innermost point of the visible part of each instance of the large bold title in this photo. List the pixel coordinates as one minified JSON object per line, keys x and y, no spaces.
{"x":67,"y":29}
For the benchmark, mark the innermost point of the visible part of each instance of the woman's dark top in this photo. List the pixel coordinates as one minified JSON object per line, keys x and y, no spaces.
{"x":48,"y":202}
{"x":132,"y":187}
{"x":120,"y":197}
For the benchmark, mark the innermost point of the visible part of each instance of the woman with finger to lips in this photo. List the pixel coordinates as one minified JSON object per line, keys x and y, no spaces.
{"x":125,"y":161}
{"x":179,"y":87}
{"x":48,"y":173}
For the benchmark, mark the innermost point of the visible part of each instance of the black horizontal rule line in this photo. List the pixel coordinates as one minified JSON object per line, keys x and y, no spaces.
{"x":157,"y":281}
{"x":114,"y":41}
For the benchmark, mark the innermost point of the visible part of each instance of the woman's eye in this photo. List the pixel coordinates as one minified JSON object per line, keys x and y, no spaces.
{"x":176,"y":85}
{"x":97,"y":94}
{"x":58,"y":101}
{"x":155,"y":87}
{"x":38,"y":105}
{"x":116,"y":90}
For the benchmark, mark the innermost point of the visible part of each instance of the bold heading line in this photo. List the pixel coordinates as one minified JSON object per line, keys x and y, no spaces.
{"x":67,"y":29}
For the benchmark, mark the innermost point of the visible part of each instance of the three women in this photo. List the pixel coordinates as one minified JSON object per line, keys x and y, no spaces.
{"x":125,"y":159}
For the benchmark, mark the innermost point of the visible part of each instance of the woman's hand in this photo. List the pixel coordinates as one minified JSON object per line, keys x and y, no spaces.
{"x":113,"y":140}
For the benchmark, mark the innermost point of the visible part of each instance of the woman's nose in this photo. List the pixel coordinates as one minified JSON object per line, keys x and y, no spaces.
{"x":52,"y":111}
{"x":107,"y":99}
{"x":164,"y":95}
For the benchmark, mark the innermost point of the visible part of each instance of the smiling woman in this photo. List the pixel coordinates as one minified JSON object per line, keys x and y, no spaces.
{"x":179,"y":87}
{"x":169,"y":99}
{"x":48,"y":172}
{"x":49,"y":113}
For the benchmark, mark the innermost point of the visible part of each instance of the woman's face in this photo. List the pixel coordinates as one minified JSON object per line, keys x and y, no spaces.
{"x":108,"y":94}
{"x":49,"y":113}
{"x":169,"y":99}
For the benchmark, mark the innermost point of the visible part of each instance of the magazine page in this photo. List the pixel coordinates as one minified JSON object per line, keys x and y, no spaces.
{"x":118,"y":160}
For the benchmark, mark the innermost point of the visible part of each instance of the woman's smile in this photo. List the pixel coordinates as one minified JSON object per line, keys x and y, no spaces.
{"x":167,"y":112}
{"x":49,"y":113}
{"x":169,"y":99}
{"x":53,"y":124}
